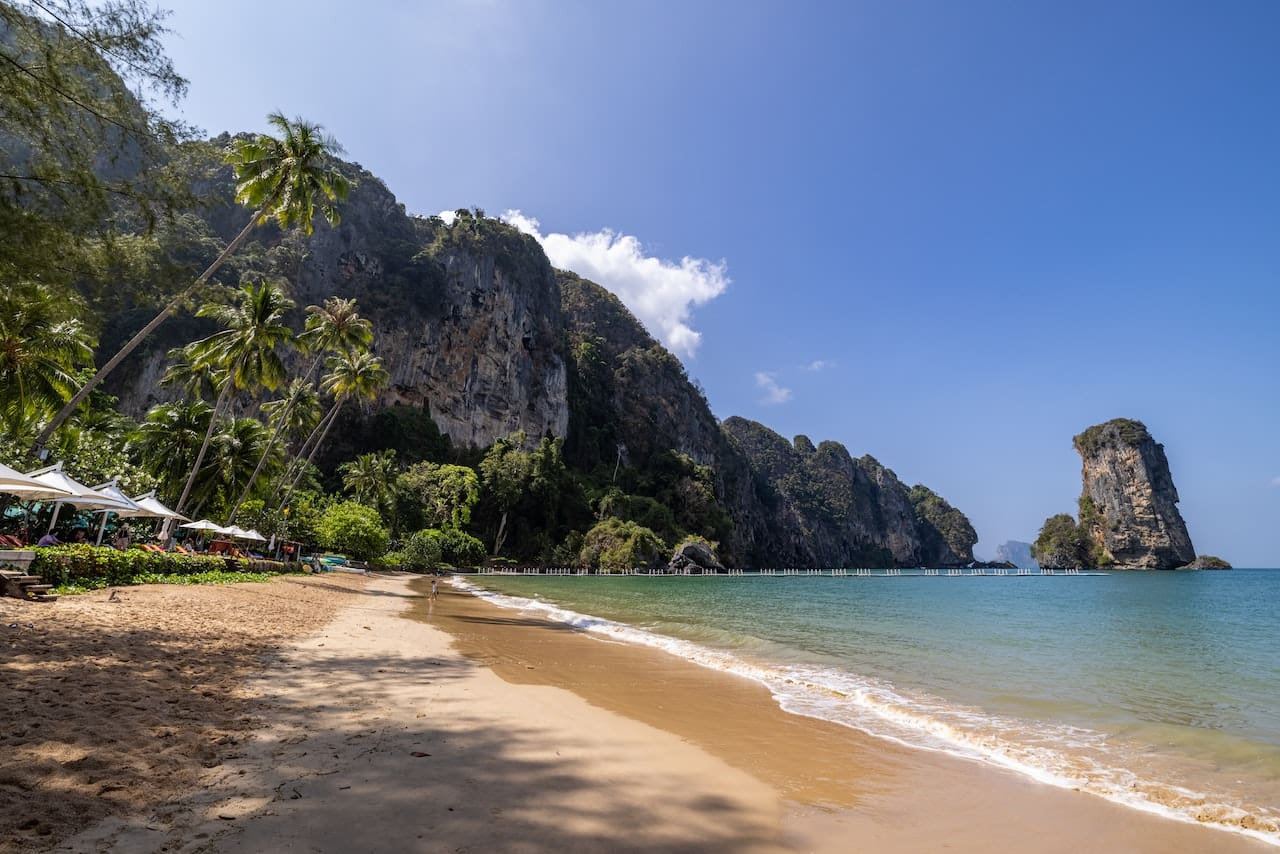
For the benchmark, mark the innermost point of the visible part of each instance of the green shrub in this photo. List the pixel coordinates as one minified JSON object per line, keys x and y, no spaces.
{"x":352,"y":529}
{"x":458,"y":548}
{"x":80,"y":565}
{"x":614,"y":544}
{"x":421,"y":551}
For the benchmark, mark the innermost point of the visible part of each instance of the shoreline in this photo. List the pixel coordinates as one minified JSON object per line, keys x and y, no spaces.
{"x":383,"y":721}
{"x":854,"y":782}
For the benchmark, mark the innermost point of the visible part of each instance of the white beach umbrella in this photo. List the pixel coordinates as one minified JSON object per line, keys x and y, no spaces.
{"x":205,"y":525}
{"x":111,"y":490}
{"x":251,"y":534}
{"x":14,"y":482}
{"x":77,"y":494}
{"x":149,"y":505}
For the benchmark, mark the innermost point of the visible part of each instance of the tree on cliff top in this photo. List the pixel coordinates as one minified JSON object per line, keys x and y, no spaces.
{"x":1123,"y":430}
{"x":282,"y":179}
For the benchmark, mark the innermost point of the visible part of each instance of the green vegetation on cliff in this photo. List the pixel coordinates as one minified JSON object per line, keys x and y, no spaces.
{"x":1123,"y":430}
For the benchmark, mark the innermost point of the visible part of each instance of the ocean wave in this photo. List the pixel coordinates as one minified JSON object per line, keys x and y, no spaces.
{"x":1059,"y":755}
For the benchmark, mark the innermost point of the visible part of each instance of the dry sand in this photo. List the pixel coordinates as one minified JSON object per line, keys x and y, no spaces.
{"x":468,"y":728}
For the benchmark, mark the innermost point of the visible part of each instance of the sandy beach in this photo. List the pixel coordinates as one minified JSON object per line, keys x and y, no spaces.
{"x":344,"y":713}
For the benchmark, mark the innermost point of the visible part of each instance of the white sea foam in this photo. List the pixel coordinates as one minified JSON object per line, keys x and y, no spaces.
{"x":1059,"y":755}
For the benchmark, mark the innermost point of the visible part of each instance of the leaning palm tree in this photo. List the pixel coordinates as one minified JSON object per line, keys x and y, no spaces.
{"x":41,"y":346}
{"x":335,"y":326}
{"x":166,"y":441}
{"x":253,"y":328}
{"x":351,"y":375}
{"x":285,"y":178}
{"x":235,"y":448}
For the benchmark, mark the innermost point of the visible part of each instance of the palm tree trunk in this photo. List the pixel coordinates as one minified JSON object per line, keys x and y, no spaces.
{"x":298,"y":458}
{"x":330,"y":418}
{"x":208,"y":436}
{"x":266,"y":452}
{"x":123,"y":352}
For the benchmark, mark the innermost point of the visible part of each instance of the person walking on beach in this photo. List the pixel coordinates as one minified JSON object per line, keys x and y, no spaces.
{"x":435,"y":587}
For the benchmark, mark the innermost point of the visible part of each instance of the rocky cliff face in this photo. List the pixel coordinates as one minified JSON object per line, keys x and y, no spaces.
{"x":467,"y":316}
{"x":479,"y":331}
{"x":1129,"y":505}
{"x":826,"y":508}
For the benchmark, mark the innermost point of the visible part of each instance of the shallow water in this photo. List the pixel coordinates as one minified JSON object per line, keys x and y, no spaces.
{"x":1159,"y":690}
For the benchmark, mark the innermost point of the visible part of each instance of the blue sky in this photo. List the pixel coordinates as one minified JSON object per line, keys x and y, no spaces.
{"x":951,"y":235}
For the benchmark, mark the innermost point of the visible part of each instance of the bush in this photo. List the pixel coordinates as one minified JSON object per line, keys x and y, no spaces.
{"x":458,"y":548}
{"x":421,"y":551}
{"x":78,"y":565}
{"x":352,"y":529}
{"x":614,"y":544}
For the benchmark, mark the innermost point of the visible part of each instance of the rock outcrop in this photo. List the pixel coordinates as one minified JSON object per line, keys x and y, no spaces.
{"x":694,"y":557}
{"x":827,"y":509}
{"x":1129,"y":506}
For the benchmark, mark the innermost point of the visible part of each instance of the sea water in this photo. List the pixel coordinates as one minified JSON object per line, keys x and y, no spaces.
{"x":1159,"y":690}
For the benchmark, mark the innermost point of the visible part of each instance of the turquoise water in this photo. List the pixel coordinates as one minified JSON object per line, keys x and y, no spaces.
{"x":1158,"y":690}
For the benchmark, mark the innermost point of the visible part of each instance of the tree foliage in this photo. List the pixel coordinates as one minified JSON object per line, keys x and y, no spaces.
{"x":352,"y":529}
{"x":614,"y":545}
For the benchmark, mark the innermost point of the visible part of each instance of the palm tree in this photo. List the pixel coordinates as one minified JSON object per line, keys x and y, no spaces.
{"x":236,"y":447}
{"x":253,"y":329}
{"x":351,"y":375}
{"x":297,"y":413}
{"x":41,"y":345}
{"x":369,"y":478}
{"x":334,"y":326}
{"x":168,"y":438}
{"x":280,"y":178}
{"x":196,"y":376}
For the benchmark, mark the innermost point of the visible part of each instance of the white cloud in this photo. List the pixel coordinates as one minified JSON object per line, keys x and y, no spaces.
{"x":767,"y":381}
{"x":448,"y":216}
{"x":659,"y":292}
{"x":820,"y":365}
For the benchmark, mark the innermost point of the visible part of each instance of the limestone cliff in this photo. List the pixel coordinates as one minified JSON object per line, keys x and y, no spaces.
{"x":467,"y":315}
{"x":1129,"y":506}
{"x":828,"y":509}
{"x":480,"y":334}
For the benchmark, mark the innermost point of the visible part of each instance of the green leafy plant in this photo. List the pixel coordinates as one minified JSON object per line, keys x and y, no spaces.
{"x":352,"y":529}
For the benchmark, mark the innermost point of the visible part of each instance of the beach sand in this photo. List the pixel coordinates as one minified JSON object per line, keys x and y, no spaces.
{"x":312,"y":715}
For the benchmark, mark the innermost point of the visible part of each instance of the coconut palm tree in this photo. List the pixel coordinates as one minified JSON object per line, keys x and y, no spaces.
{"x":41,"y":346}
{"x":282,"y":178}
{"x":233,"y":453}
{"x":351,"y":375}
{"x":369,"y":478}
{"x":296,"y":414}
{"x":335,"y":326}
{"x":247,"y":347}
{"x":166,"y":441}
{"x":192,"y":373}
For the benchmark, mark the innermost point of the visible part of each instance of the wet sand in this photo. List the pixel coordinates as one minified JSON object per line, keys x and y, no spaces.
{"x":842,"y":789}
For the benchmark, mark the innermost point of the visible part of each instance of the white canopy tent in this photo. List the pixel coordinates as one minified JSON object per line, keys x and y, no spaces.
{"x":128,"y":508}
{"x":76,"y":493}
{"x":205,"y":525}
{"x":149,"y":505}
{"x":14,"y":482}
